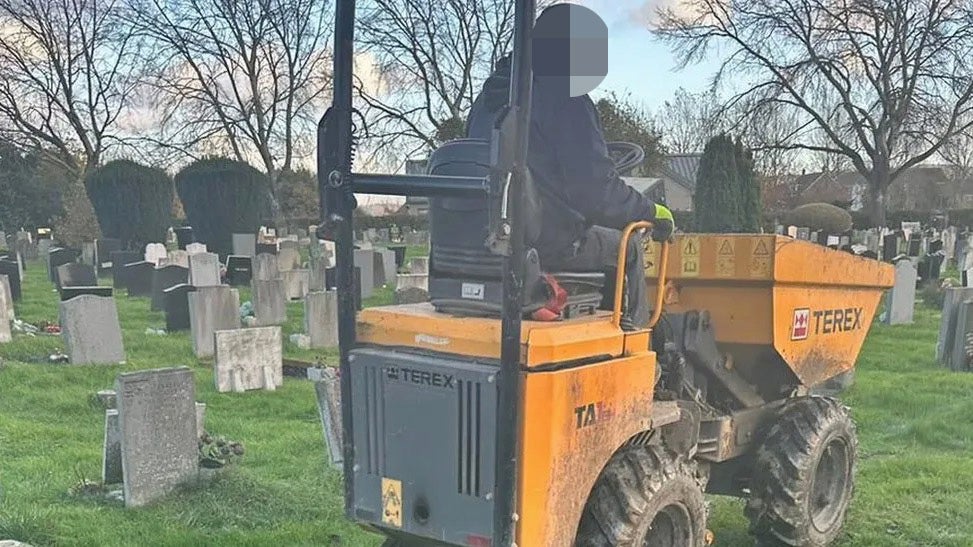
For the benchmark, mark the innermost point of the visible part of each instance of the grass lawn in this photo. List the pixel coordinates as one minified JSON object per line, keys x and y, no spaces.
{"x":914,"y":481}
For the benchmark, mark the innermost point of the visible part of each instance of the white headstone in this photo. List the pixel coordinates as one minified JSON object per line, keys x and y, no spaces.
{"x":245,"y":244}
{"x":269,"y":302}
{"x":321,"y":318}
{"x":296,"y":283}
{"x":204,"y":269}
{"x":249,"y":359}
{"x":902,"y":299}
{"x":156,"y":253}
{"x":212,"y":309}
{"x":179,"y":258}
{"x":196,"y":248}
{"x":365,"y":259}
{"x":265,"y":267}
{"x":90,"y":330}
{"x":288,"y":259}
{"x":6,"y":306}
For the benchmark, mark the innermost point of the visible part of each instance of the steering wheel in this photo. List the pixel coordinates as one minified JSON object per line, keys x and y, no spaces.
{"x":626,"y":155}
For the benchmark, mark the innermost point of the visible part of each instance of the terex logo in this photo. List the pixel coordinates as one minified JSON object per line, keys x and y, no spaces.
{"x":825,"y":321}
{"x":592,"y":413}
{"x":420,"y":377}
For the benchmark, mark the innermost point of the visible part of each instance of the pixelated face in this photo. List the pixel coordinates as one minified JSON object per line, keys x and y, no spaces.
{"x":570,"y":49}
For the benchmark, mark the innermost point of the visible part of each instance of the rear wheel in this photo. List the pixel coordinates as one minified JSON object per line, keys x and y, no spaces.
{"x":803,"y":476}
{"x":645,"y":497}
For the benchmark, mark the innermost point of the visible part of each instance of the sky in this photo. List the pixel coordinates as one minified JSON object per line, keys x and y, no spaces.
{"x":638,"y":62}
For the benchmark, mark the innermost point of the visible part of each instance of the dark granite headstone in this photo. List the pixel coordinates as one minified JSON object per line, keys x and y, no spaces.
{"x":163,"y":278}
{"x":239,"y":270}
{"x":331,"y":283}
{"x":177,"y":307}
{"x":138,"y":278}
{"x":67,"y":293}
{"x":890,"y":247}
{"x":59,"y":256}
{"x":9,"y":268}
{"x":184,"y":236}
{"x":119,"y":260}
{"x":915,"y":246}
{"x":270,"y":248}
{"x":399,"y":251}
{"x":103,"y":251}
{"x":75,"y":274}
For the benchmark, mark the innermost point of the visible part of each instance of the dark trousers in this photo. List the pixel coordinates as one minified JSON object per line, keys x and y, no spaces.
{"x":598,"y":251}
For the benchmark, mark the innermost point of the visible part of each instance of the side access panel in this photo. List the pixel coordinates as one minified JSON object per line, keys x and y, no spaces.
{"x":424,"y":431}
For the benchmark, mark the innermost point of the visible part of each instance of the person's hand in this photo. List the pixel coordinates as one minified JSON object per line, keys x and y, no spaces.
{"x":664,"y":224}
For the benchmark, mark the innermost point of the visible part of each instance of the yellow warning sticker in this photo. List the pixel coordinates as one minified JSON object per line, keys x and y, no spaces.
{"x":652,"y":257}
{"x":392,"y":502}
{"x":689,"y":247}
{"x":760,"y":259}
{"x":726,"y":262}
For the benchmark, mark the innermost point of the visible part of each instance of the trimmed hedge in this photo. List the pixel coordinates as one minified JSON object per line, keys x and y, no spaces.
{"x":133,"y":202}
{"x":222,"y":197}
{"x":820,"y":216}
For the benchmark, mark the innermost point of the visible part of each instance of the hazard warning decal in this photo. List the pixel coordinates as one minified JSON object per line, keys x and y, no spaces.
{"x":802,"y":324}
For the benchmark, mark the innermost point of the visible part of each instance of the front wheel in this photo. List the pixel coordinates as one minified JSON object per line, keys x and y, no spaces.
{"x":645,"y":497}
{"x":804,"y":475}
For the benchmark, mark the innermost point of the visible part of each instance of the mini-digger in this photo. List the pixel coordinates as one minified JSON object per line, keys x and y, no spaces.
{"x":467,"y":423}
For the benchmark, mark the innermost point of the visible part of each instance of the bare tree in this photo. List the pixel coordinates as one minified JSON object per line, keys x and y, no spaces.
{"x":897,"y":71}
{"x":689,"y":120}
{"x":244,"y":78}
{"x":65,"y":77}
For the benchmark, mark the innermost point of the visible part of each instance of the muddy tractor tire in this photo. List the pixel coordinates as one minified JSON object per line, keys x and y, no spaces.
{"x":803,"y":476}
{"x":645,"y":496}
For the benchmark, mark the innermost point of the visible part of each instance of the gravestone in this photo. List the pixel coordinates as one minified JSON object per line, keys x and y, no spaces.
{"x":383,"y":267}
{"x":104,"y":248}
{"x":245,"y":244}
{"x":184,"y":237}
{"x":9,"y":268}
{"x":67,"y":293}
{"x":90,"y":330}
{"x":119,"y":259}
{"x":365,"y":259}
{"x":269,"y":302}
{"x":7,"y":296}
{"x":265,"y":267}
{"x":947,"y":326}
{"x":239,"y":270}
{"x":138,"y":278}
{"x":288,"y":259}
{"x":961,"y":352}
{"x":212,"y":309}
{"x":6,"y":305}
{"x":111,"y":458}
{"x":412,"y":281}
{"x":177,"y":307}
{"x":196,"y":248}
{"x":204,"y":269}
{"x":77,"y":274}
{"x":915,"y":246}
{"x":249,"y":359}
{"x":268,"y":248}
{"x":179,"y":258}
{"x":328,"y":393}
{"x":157,"y":422}
{"x":296,"y":283}
{"x":317,"y":274}
{"x":44,"y":247}
{"x":156,"y":253}
{"x":331,"y":282}
{"x":57,"y":257}
{"x":399,"y":251}
{"x":321,"y":319}
{"x":288,"y":243}
{"x":164,"y":277}
{"x":88,"y":253}
{"x":902,"y":298}
{"x":419,"y":265}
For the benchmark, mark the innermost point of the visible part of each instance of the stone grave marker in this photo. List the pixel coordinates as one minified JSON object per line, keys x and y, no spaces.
{"x":399,"y":251}
{"x":288,"y":243}
{"x":947,"y":326}
{"x":184,"y":236}
{"x":245,"y":244}
{"x":321,"y":319}
{"x":288,"y":259}
{"x":177,"y":307}
{"x":90,"y":330}
{"x":419,"y":265}
{"x":104,"y":248}
{"x":9,"y":268}
{"x":164,"y":277}
{"x":56,"y":257}
{"x":156,"y":253}
{"x":902,"y":298}
{"x":317,"y":274}
{"x":265,"y":267}
{"x":77,"y":274}
{"x":44,"y":247}
{"x":119,"y":259}
{"x":204,"y":269}
{"x":296,"y":283}
{"x":111,"y":458}
{"x":249,"y":359}
{"x":328,"y":394}
{"x":6,"y":305}
{"x":67,"y":293}
{"x":179,"y":258}
{"x":961,"y":352}
{"x":269,"y":302}
{"x":412,"y":281}
{"x":212,"y":309}
{"x":196,"y":248}
{"x":88,"y":253}
{"x":7,"y":296}
{"x":383,"y":267}
{"x":365,"y":259}
{"x":268,"y":248}
{"x":157,"y":422}
{"x":138,"y":278}
{"x":239,"y":270}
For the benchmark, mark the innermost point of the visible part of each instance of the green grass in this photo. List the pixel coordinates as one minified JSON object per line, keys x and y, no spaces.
{"x":914,"y":420}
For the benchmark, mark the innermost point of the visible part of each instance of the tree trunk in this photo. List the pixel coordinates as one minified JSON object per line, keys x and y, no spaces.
{"x":876,"y":202}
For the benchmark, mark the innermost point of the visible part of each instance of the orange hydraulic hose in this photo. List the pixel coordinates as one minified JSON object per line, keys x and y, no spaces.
{"x":620,"y":275}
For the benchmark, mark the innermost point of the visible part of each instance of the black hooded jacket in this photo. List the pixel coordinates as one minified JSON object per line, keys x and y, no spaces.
{"x":569,"y":163}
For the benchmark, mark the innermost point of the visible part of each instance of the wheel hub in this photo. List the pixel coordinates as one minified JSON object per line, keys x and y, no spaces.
{"x":829,"y":489}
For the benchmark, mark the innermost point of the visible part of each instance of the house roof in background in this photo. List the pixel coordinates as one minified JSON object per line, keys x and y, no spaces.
{"x":682,"y":168}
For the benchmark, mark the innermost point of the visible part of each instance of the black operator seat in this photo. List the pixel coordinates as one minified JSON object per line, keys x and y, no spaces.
{"x":464,"y":276}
